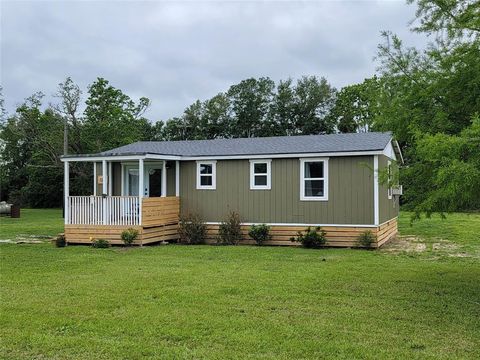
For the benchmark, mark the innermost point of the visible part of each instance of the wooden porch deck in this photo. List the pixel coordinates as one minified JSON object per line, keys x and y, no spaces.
{"x":158,"y":221}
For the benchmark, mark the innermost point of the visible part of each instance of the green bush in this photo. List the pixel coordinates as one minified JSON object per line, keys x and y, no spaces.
{"x":366,"y":239}
{"x":230,"y":232}
{"x":129,"y":236}
{"x":260,"y":233}
{"x":100,"y":243}
{"x":192,"y":229}
{"x":312,"y":239}
{"x":60,"y":241}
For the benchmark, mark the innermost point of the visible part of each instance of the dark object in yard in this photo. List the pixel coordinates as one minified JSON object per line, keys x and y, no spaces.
{"x":60,"y":241}
{"x":15,"y":211}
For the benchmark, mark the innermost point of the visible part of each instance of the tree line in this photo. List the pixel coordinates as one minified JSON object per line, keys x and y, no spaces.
{"x":429,"y":99}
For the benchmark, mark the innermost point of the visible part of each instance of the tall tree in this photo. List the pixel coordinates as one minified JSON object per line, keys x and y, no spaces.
{"x":356,"y":106}
{"x":430,"y":96}
{"x":284,"y":107}
{"x":69,"y":94}
{"x":456,"y":19}
{"x":250,"y":102}
{"x":112,"y":119}
{"x":30,"y":163}
{"x":314,"y":99}
{"x":216,"y":117}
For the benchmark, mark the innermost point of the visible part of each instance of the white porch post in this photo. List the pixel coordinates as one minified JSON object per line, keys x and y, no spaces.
{"x":94,"y":179}
{"x":110,"y":178}
{"x":66,"y":191}
{"x":104,"y":191}
{"x":164,"y":178}
{"x":141,"y":189}
{"x":177,"y":178}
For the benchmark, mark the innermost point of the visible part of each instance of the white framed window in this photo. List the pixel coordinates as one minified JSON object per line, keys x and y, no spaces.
{"x":260,"y":174}
{"x":314,"y":179}
{"x":206,"y":175}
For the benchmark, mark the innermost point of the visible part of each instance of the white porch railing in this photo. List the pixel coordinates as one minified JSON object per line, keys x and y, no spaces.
{"x":99,"y":210}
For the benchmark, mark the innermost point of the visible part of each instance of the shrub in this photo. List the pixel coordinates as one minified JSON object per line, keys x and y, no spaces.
{"x":60,"y":241}
{"x":192,"y":229}
{"x":260,"y":233}
{"x":366,"y":239}
{"x":312,"y":239}
{"x":129,"y":236}
{"x":100,"y":243}
{"x":230,"y":232}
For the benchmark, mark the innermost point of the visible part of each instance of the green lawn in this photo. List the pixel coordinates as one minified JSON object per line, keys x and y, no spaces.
{"x":241,"y":302}
{"x":33,"y":222}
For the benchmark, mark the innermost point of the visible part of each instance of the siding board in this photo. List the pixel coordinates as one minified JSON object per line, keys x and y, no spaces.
{"x":350,"y":193}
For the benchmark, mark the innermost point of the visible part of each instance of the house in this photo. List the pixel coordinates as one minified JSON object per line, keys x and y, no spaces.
{"x":288,"y":182}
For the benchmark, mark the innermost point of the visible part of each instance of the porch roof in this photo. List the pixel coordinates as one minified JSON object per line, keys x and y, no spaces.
{"x":264,"y":146}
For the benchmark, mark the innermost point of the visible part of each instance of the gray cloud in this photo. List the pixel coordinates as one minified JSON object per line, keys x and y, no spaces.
{"x":175,"y":53}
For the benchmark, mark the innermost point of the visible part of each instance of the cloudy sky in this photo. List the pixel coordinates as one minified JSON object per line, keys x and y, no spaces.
{"x":177,"y":52}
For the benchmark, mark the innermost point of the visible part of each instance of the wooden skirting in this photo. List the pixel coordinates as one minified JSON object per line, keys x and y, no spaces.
{"x":387,"y":232}
{"x":337,"y":236}
{"x":84,"y":234}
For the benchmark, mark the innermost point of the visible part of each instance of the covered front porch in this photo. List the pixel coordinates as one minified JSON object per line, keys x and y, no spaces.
{"x":140,"y":192}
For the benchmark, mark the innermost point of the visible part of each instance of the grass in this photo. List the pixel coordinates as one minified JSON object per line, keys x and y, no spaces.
{"x":33,"y":222}
{"x":216,"y":302}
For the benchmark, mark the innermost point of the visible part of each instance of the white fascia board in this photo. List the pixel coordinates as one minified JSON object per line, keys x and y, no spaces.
{"x":221,"y":157}
{"x":120,"y":158}
{"x":282,"y":156}
{"x":397,"y":145}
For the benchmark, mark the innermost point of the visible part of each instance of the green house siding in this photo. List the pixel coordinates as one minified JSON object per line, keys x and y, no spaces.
{"x":350,"y":199}
{"x":116,"y":178}
{"x":171,"y":178}
{"x":388,"y":208}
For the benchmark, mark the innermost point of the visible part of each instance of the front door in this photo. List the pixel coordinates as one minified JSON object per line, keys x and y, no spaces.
{"x":152,"y":180}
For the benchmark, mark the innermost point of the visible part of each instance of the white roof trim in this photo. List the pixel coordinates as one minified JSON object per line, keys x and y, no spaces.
{"x":120,"y":158}
{"x":283,"y":156}
{"x":221,"y":157}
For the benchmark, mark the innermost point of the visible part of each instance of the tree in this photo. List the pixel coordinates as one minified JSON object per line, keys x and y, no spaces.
{"x":69,"y":94}
{"x":3,"y":112}
{"x":112,"y":119}
{"x":284,"y":107}
{"x":250,"y":102}
{"x":30,"y":158}
{"x":454,"y":165}
{"x":216,"y":117}
{"x":429,"y":98}
{"x":314,"y":99}
{"x":456,"y":19}
{"x":356,"y":106}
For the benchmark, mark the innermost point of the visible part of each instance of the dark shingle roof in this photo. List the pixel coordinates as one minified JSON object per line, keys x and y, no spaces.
{"x":259,"y":146}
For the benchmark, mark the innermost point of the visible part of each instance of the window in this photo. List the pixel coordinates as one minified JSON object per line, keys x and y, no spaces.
{"x":260,"y":174}
{"x":132,"y":182}
{"x":206,"y":175}
{"x":314,"y":179}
